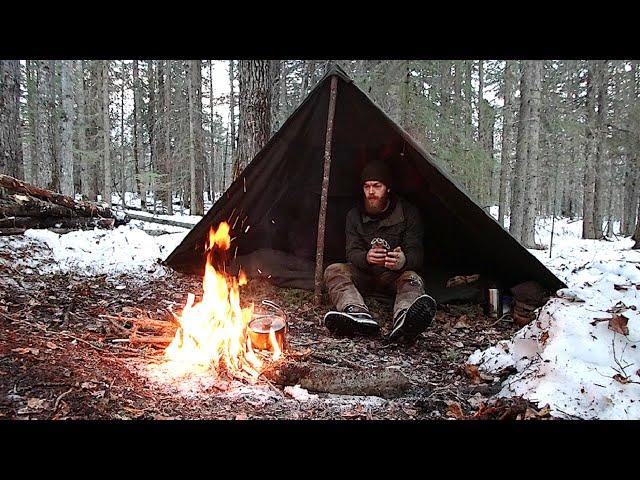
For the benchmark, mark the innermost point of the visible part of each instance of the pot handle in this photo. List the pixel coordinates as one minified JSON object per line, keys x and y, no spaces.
{"x":278,"y":308}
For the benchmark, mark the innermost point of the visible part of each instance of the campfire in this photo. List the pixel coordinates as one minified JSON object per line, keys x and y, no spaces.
{"x":214,"y":333}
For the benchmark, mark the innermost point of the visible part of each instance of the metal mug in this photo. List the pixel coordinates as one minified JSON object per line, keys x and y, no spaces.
{"x":494,"y":303}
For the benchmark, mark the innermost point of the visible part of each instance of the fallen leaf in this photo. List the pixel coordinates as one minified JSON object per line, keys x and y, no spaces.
{"x":51,"y":345}
{"x":619,"y":324}
{"x":120,"y":287}
{"x":462,"y":322}
{"x":241,"y":416}
{"x":621,"y":379}
{"x":36,"y":403}
{"x":454,"y":410}
{"x":26,"y":350}
{"x":86,"y":385}
{"x":544,"y":337}
{"x":458,"y":344}
{"x":473,"y":373}
{"x":545,"y":412}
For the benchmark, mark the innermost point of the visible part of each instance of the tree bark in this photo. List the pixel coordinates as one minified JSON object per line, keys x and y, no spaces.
{"x":66,"y":179}
{"x":602,"y":169}
{"x":529,"y":218}
{"x":588,"y":204}
{"x":232,"y":112}
{"x":168,"y":120}
{"x":11,"y":160}
{"x":507,"y":144}
{"x":520,"y":166}
{"x":31,"y":168}
{"x":382,"y":382}
{"x":86,"y":185}
{"x":195,"y":129}
{"x":106,"y":137}
{"x":137,"y":137}
{"x":43,"y":140}
{"x":255,"y":110}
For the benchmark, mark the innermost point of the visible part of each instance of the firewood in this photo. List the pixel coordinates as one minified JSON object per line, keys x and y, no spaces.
{"x":382,"y":382}
{"x":46,"y":222}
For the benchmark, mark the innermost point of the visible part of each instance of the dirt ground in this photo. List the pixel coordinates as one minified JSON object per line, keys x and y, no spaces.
{"x":58,"y":358}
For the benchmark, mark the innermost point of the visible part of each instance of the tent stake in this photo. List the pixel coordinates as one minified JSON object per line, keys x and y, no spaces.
{"x":325,"y":189}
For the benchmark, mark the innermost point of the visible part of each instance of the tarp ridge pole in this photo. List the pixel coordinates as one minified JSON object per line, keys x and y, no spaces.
{"x":322,"y":215}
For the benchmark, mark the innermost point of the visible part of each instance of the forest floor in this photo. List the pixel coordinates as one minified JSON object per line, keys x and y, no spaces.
{"x":58,"y":359}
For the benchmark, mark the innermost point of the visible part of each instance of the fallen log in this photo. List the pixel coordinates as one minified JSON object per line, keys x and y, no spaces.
{"x":56,"y":222}
{"x":20,"y":205}
{"x":162,"y":221}
{"x":380,"y":382}
{"x":86,"y":209}
{"x":4,"y":232}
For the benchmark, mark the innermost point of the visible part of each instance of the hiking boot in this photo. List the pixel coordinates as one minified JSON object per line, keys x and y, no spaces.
{"x":352,"y":320}
{"x":411,"y":322}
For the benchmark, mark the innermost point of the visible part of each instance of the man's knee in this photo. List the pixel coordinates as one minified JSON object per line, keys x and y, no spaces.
{"x":336,"y":269}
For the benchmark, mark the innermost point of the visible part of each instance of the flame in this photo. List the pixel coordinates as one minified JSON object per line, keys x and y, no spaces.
{"x":277,"y":353}
{"x":213,"y":332}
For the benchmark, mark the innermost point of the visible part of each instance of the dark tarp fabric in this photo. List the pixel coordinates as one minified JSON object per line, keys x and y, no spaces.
{"x":273,"y":205}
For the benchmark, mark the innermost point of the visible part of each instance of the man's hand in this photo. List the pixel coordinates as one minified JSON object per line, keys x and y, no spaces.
{"x":376,"y":256}
{"x":395,"y":259}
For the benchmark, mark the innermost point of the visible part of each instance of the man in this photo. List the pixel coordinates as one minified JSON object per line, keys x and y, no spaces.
{"x":384,"y":249}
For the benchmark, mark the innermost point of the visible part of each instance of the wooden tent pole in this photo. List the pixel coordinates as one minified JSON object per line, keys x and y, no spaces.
{"x":317,"y":294}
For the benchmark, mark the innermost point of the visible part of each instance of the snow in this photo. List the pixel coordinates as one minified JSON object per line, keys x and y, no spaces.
{"x":564,"y":360}
{"x":124,"y":250}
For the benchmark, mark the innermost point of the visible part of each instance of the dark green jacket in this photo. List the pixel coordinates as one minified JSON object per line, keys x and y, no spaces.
{"x":402,"y":227}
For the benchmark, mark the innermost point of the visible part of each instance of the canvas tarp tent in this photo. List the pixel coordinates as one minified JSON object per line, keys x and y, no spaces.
{"x":273,"y":205}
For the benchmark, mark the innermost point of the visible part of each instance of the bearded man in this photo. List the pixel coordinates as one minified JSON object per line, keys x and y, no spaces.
{"x":384,"y":249}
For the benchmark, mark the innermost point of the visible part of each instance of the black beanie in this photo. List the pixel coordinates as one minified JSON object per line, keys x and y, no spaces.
{"x":377,"y":171}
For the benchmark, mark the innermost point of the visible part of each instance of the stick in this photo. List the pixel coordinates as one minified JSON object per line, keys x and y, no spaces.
{"x":317,"y":294}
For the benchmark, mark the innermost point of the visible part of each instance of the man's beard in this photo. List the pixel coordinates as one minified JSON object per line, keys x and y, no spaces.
{"x":375,"y":206}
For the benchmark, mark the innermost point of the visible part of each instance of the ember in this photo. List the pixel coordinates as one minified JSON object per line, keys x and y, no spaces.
{"x":213,"y":332}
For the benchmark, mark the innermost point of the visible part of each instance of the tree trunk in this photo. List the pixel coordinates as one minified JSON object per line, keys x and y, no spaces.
{"x":588,"y":204}
{"x":66,"y":177}
{"x":106,"y":130}
{"x":31,"y":169}
{"x":520,"y":166}
{"x":86,"y":185}
{"x":160,"y":183}
{"x":11,"y":161}
{"x":255,"y":110}
{"x":137,"y":136}
{"x":507,"y":144}
{"x":211,"y":186}
{"x":232,"y":112}
{"x":602,"y":168}
{"x":43,"y":141}
{"x":195,"y":129}
{"x":151,"y":126}
{"x":276,"y":69}
{"x":168,"y":116}
{"x":481,"y":116}
{"x":531,"y":199}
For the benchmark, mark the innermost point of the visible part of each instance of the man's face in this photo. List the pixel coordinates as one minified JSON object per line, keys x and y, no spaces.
{"x":375,"y":196}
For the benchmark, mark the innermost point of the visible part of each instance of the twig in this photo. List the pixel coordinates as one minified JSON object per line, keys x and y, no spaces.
{"x":60,"y":397}
{"x":272,"y":386}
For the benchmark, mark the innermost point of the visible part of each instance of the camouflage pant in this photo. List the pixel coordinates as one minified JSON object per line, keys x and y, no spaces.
{"x":344,"y":280}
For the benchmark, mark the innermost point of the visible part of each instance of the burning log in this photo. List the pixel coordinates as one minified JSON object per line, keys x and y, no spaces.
{"x":381,"y":382}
